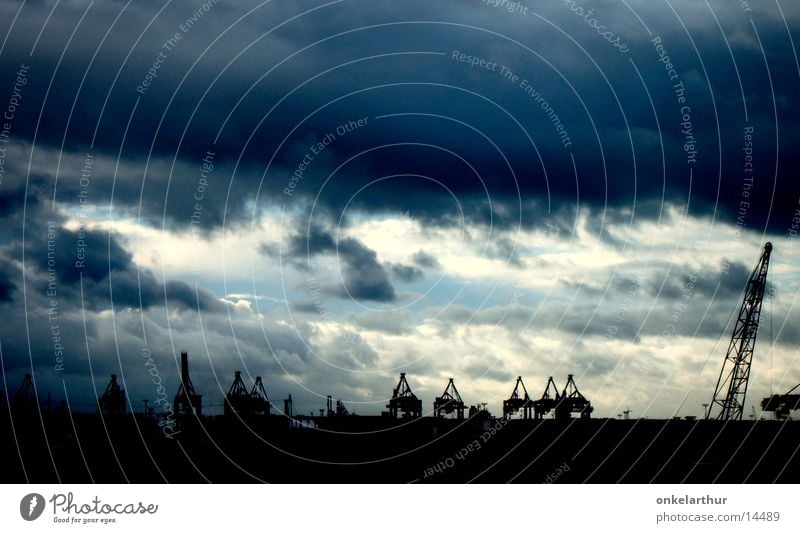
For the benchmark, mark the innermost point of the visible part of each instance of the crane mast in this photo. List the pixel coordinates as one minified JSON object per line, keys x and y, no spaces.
{"x":731,"y":387}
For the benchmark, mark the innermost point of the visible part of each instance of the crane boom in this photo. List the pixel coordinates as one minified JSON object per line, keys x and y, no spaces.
{"x":735,"y":372}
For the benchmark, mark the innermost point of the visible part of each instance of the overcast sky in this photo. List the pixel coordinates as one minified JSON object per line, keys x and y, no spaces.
{"x":329,"y":193}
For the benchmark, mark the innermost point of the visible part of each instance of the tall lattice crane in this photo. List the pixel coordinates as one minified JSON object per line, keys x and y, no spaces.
{"x":735,"y":373}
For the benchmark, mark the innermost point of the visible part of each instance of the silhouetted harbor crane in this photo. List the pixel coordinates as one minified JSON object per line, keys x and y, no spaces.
{"x":572,"y":401}
{"x":112,"y":402}
{"x":238,"y":399}
{"x":519,"y":399}
{"x":548,"y":401}
{"x":26,"y":401}
{"x":259,"y":401}
{"x":782,"y":404}
{"x":404,"y":402}
{"x":449,"y":402}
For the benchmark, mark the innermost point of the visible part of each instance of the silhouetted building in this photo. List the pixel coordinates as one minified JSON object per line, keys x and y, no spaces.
{"x":186,"y":401}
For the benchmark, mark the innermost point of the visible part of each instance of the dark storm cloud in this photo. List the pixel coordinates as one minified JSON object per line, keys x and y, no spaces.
{"x":304,"y":307}
{"x":505,"y":249}
{"x":128,"y":286}
{"x":425,"y":260}
{"x":105,"y":255}
{"x":7,"y":287}
{"x":725,"y":284}
{"x":584,"y":288}
{"x":192,"y":297}
{"x":784,"y":329}
{"x":315,"y":241}
{"x":86,"y":265}
{"x":362,"y":276}
{"x":406,"y":273}
{"x":175,"y":119}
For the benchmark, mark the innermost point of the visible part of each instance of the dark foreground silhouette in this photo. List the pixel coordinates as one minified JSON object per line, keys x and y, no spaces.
{"x":79,"y":448}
